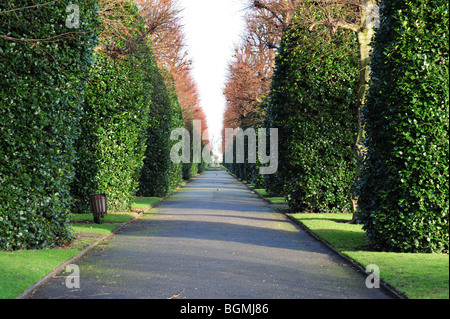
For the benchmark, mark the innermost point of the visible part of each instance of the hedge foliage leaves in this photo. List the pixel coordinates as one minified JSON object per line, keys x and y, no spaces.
{"x":75,"y":121}
{"x":159,"y":175}
{"x":111,"y":145}
{"x":312,"y":103}
{"x":404,"y":188}
{"x":41,"y":96}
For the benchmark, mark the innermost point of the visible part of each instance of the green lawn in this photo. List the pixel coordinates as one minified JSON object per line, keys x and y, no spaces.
{"x":19,"y":270}
{"x":273,"y":200}
{"x":109,"y":217}
{"x":145,"y":202}
{"x":418,"y":276}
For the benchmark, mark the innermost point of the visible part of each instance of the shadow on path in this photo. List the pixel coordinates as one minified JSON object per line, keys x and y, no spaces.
{"x":214,"y":239}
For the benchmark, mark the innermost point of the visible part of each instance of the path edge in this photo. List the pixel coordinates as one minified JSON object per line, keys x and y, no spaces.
{"x":27,"y":292}
{"x":359,"y":267}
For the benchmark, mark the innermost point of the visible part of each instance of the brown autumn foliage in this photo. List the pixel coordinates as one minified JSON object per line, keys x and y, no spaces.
{"x":248,"y":83}
{"x":163,"y":31}
{"x":357,"y":16}
{"x":251,"y":70}
{"x":165,"y":35}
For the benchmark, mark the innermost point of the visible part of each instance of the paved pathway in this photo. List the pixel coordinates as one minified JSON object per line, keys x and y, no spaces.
{"x":212,"y":239}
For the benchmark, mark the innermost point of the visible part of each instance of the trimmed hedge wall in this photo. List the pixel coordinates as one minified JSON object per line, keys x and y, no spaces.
{"x":113,"y":137}
{"x":403,"y":190}
{"x":41,"y":95}
{"x":312,"y":103}
{"x":159,"y":175}
{"x":112,"y":141}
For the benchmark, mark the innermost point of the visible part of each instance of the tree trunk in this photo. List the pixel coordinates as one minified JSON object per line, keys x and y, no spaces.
{"x":368,"y":20}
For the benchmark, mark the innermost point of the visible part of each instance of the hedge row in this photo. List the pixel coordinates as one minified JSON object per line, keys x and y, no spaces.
{"x":312,"y":103}
{"x":41,"y":107}
{"x":404,"y":188}
{"x":159,"y":174}
{"x":111,"y":144}
{"x":113,"y":140}
{"x":247,"y":171}
{"x":74,"y":122}
{"x":192,"y":168}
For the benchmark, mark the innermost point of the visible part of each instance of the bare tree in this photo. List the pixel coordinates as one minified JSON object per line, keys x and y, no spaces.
{"x":251,"y":70}
{"x":247,"y":85}
{"x":358,"y":16}
{"x":118,"y":22}
{"x":9,"y":7}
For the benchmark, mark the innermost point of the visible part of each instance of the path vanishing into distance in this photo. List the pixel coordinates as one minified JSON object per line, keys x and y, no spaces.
{"x":213,"y":239}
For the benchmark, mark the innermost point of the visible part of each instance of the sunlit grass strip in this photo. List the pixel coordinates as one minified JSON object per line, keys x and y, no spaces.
{"x":19,"y":270}
{"x":145,"y":202}
{"x":273,"y":200}
{"x":418,"y":276}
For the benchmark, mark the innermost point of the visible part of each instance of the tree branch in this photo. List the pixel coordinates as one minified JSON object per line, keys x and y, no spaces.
{"x":56,"y":37}
{"x":28,"y":7}
{"x":334,"y":25}
{"x":260,"y":5}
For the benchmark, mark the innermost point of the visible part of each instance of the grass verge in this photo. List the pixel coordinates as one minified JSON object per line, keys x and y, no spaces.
{"x":417,"y":276}
{"x":263,"y":193}
{"x":19,"y":270}
{"x":273,"y":200}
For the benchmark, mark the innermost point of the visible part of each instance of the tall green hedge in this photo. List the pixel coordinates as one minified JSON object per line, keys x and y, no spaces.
{"x":175,"y":169}
{"x":403,"y":190}
{"x":159,"y":175}
{"x":191,"y":169}
{"x":255,"y":178}
{"x":41,"y":95}
{"x":312,"y":103}
{"x":113,"y":141}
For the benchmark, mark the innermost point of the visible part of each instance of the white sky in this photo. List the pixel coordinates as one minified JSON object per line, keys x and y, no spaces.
{"x":212,"y":28}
